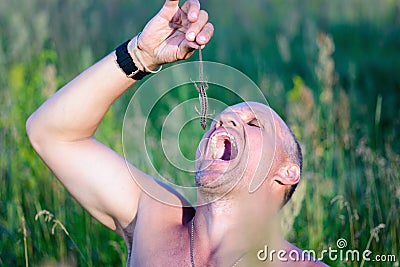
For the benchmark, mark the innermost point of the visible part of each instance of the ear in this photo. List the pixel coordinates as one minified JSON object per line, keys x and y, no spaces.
{"x":288,"y":174}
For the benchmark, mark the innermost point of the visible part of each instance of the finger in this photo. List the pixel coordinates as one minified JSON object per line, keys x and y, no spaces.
{"x":192,"y":9}
{"x":197,"y":26}
{"x":169,"y":9}
{"x":205,"y":34}
{"x":187,"y":49}
{"x":171,"y":3}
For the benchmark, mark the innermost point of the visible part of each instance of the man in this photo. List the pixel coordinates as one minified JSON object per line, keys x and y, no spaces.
{"x":224,"y":232}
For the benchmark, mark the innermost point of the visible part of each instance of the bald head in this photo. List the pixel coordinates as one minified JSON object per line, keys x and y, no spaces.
{"x":249,"y":140}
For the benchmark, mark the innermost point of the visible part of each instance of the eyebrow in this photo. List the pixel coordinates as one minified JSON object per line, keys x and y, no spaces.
{"x":255,"y":111}
{"x":248,"y":113}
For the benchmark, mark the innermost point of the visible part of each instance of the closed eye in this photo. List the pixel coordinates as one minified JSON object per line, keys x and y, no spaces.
{"x":254,"y":123}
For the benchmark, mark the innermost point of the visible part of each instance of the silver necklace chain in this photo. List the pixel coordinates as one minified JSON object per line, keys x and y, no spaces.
{"x":192,"y":243}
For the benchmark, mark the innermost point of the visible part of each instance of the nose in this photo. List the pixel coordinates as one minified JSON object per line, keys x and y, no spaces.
{"x":227,"y":119}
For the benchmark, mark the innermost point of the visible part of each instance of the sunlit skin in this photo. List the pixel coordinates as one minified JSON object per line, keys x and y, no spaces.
{"x":247,"y":124}
{"x":234,"y":223}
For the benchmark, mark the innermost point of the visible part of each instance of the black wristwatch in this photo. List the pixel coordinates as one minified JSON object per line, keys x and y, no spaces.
{"x":126,"y":63}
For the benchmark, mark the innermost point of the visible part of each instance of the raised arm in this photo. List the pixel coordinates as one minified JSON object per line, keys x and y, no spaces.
{"x":62,"y":129}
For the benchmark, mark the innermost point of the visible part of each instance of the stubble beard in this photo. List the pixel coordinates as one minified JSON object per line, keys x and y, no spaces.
{"x":213,"y":185}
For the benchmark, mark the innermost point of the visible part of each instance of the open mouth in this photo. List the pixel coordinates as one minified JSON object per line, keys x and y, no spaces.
{"x":223,"y":147}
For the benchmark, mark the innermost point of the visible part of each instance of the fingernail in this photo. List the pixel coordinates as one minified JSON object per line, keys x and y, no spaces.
{"x":202,"y":39}
{"x":193,"y":15}
{"x":191,"y":35}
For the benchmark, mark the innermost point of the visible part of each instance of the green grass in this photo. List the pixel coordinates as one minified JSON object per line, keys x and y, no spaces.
{"x":340,"y":93}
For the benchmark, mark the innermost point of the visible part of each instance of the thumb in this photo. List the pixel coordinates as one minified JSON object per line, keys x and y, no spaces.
{"x":169,"y":9}
{"x":171,"y":3}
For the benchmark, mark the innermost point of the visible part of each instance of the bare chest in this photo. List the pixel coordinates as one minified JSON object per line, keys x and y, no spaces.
{"x":166,"y":247}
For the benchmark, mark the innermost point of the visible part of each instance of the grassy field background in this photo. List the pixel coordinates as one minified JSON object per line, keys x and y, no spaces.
{"x":329,"y":68}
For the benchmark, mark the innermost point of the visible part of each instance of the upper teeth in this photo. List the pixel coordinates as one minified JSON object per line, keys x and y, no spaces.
{"x":214,"y":142}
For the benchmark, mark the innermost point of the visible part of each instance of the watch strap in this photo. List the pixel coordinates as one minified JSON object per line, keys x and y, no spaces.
{"x":125,"y":62}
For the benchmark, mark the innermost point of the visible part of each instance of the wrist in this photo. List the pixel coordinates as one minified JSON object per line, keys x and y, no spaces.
{"x":126,"y":63}
{"x":143,"y":60}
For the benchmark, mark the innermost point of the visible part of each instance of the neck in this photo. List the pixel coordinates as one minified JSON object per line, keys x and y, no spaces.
{"x":229,"y":228}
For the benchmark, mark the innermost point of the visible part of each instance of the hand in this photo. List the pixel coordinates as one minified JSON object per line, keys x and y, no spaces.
{"x":174,"y":33}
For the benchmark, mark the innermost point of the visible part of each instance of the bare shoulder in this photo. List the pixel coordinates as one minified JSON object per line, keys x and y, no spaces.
{"x":164,"y":204}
